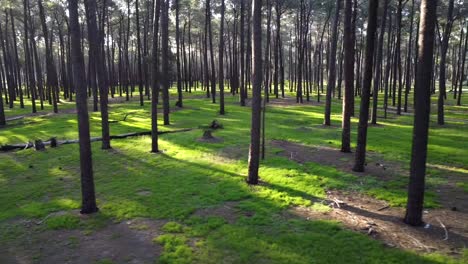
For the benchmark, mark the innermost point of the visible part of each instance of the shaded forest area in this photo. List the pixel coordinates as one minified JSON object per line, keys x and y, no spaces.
{"x":277,"y":131}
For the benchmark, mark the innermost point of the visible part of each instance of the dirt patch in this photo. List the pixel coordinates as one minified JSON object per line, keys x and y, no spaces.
{"x":373,"y":217}
{"x":328,"y":156}
{"x":228,"y":211}
{"x":124,"y":242}
{"x":450,"y":196}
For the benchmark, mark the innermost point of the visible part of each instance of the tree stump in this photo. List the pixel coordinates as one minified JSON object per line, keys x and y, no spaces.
{"x":207,"y":134}
{"x":216,"y":125}
{"x":39,"y":145}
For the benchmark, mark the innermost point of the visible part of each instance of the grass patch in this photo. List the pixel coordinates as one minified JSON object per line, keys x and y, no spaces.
{"x":190,"y":175}
{"x":62,"y":222}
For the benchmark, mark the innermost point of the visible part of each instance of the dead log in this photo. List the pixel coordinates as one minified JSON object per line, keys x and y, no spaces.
{"x":5,"y":148}
{"x":54,"y":141}
{"x":14,"y":118}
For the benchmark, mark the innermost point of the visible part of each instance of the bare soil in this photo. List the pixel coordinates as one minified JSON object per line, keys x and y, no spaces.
{"x":446,"y":230}
{"x":227,"y":211}
{"x":124,"y":242}
{"x":376,"y":166}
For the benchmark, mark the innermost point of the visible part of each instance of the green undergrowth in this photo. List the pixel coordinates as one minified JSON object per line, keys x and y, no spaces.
{"x":189,"y":175}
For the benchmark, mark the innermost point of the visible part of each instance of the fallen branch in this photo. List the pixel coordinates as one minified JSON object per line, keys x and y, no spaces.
{"x":445,"y":229}
{"x":6,"y":148}
{"x":14,"y":118}
{"x":383,"y":208}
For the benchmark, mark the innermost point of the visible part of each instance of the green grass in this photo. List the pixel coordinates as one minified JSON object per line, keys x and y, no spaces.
{"x":189,"y":175}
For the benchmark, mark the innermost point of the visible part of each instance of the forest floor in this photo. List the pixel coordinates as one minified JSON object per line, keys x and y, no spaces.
{"x":190,"y":203}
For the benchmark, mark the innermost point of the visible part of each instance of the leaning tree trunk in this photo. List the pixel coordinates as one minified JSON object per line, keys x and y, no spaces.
{"x":443,"y":58}
{"x":366,"y":86}
{"x":88,"y":204}
{"x":422,"y":108}
{"x":257,"y":74}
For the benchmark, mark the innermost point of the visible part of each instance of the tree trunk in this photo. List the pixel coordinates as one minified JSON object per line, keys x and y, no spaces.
{"x":462,"y":69}
{"x":366,"y":86}
{"x":257,"y":74}
{"x":422,"y":108}
{"x":242,"y":52}
{"x":375,"y":95}
{"x":221,"y":60}
{"x":51,"y":71}
{"x":443,"y":57}
{"x":94,"y":42}
{"x":140,"y":69}
{"x":155,"y":79}
{"x":179,"y":75}
{"x":349,"y":77}
{"x":165,"y":60}
{"x":408,"y":60}
{"x":88,"y":204}
{"x":15,"y":46}
{"x":28,"y":57}
{"x":332,"y":65}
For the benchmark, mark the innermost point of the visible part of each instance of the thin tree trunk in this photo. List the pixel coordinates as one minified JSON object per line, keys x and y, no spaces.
{"x":332,"y":65}
{"x":257,"y":74}
{"x":367,"y":81}
{"x":443,"y":57}
{"x":155,"y":79}
{"x":462,"y":70}
{"x":375,"y":95}
{"x":221,"y":60}
{"x":165,"y":60}
{"x":349,"y":77}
